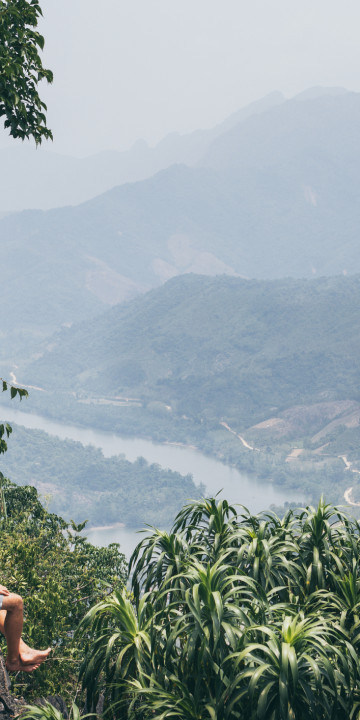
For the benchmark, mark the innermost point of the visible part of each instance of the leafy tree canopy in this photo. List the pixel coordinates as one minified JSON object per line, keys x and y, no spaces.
{"x":60,"y":576}
{"x":21,"y":70}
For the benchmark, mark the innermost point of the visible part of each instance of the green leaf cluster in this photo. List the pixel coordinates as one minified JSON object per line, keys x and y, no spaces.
{"x":234,"y":616}
{"x":14,"y":390}
{"x":21,"y":70}
{"x":46,"y":711}
{"x":5,"y":429}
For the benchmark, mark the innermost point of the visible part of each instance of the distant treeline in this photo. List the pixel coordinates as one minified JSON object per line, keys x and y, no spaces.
{"x":80,"y":483}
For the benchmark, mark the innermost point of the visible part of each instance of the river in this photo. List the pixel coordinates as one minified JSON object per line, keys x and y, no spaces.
{"x":214,"y":475}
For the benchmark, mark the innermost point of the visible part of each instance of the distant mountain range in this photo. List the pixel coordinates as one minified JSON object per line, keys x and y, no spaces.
{"x":274,"y":195}
{"x":42,"y":179}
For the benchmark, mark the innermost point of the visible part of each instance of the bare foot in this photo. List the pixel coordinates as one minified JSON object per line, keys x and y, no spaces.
{"x":29,"y":656}
{"x":18,"y":666}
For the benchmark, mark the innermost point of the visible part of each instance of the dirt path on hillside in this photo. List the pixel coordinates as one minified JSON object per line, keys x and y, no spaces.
{"x":345,"y":460}
{"x":27,"y":387}
{"x":233,"y":432}
{"x":348,"y":491}
{"x":347,"y":497}
{"x":294,"y":455}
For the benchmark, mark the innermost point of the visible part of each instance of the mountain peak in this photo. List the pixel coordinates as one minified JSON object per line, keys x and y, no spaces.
{"x":317,"y":92}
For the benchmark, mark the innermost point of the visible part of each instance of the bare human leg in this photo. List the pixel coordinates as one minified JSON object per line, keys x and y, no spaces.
{"x":27,"y":654}
{"x":19,"y":656}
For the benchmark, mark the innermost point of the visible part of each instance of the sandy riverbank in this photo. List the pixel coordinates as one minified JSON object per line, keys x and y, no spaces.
{"x":95,"y":528}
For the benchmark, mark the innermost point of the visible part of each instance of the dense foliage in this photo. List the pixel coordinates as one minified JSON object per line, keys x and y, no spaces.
{"x":60,"y":576}
{"x":21,"y":70}
{"x":234,"y":616}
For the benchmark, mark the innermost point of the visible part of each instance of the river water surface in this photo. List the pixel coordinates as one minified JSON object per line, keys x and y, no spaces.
{"x":214,"y":475}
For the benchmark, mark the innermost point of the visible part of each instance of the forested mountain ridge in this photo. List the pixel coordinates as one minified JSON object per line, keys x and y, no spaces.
{"x":282,"y":202}
{"x":258,"y":343}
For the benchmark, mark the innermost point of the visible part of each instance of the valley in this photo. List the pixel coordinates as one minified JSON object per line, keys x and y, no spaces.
{"x":159,"y":309}
{"x":124,"y":467}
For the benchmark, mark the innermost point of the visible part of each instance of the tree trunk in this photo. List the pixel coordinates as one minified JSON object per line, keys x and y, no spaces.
{"x":9,"y":704}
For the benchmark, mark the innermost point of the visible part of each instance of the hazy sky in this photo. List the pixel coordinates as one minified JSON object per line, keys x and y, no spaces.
{"x":129,"y":69}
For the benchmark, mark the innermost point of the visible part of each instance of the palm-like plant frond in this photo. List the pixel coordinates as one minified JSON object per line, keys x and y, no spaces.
{"x":46,"y":711}
{"x":232,"y":616}
{"x":158,"y":558}
{"x":287,"y":667}
{"x":120,"y":643}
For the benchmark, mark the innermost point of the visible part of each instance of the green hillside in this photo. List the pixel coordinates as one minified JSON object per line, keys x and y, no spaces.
{"x":263,"y":374}
{"x":222,"y":347}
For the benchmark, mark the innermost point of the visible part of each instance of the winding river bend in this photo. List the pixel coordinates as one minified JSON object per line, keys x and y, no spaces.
{"x":214,"y":475}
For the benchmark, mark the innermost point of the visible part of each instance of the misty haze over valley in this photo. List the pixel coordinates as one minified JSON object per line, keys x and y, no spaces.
{"x":145,"y":296}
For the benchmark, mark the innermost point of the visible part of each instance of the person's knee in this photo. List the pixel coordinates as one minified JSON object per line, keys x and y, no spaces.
{"x":18,"y":601}
{"x":13,"y":602}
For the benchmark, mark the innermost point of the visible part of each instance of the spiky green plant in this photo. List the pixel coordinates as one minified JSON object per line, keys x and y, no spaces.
{"x":46,"y":711}
{"x":234,"y":616}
